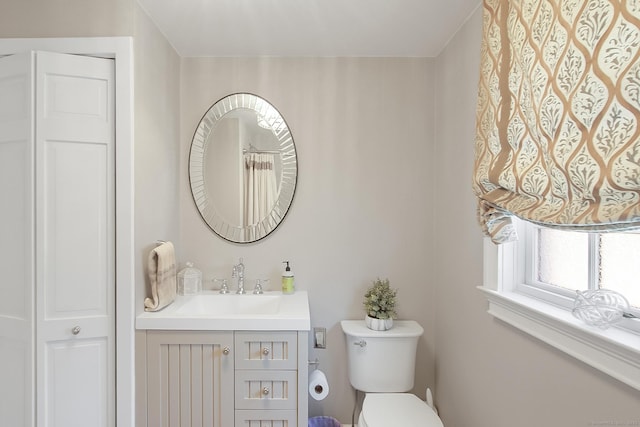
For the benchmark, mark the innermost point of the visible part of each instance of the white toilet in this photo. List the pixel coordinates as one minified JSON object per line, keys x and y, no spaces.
{"x":382,"y":365}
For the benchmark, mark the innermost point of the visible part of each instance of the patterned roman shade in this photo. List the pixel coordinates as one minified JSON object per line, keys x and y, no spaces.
{"x":558,"y":117}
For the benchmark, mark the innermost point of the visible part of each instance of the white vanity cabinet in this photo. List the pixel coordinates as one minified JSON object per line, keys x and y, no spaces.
{"x":227,"y":378}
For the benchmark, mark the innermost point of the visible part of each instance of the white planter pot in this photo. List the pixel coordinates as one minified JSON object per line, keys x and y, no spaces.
{"x":378,"y":324}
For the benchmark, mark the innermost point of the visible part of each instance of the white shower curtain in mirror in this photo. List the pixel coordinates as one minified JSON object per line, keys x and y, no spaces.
{"x":260,"y":187}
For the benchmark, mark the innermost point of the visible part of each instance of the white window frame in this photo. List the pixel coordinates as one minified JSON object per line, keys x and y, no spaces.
{"x":528,"y":284}
{"x":614,"y":351}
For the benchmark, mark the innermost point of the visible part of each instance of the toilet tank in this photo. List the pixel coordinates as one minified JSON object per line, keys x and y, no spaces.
{"x":381,"y":361}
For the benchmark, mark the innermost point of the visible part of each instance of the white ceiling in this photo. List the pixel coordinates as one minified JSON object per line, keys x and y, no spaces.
{"x":392,"y":28}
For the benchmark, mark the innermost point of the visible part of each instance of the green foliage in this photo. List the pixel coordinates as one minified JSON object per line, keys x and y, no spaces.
{"x":380,"y":300}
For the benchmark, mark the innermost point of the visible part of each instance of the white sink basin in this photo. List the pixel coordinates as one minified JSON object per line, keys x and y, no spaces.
{"x":210,"y":310}
{"x":234,"y":305}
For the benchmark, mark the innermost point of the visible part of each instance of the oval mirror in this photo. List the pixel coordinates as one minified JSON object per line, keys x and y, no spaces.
{"x":243,"y":168}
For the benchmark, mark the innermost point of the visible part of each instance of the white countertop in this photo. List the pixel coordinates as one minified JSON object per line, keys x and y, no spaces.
{"x":208,"y":310}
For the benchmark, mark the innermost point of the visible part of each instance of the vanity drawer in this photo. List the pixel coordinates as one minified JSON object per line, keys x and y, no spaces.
{"x":266,"y":350}
{"x":283,"y":418}
{"x":266,"y":389}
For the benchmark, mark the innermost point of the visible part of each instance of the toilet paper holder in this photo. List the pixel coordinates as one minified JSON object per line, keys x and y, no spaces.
{"x":318,"y":384}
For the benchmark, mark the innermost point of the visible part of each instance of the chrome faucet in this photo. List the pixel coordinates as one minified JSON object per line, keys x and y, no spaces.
{"x":238,"y":273}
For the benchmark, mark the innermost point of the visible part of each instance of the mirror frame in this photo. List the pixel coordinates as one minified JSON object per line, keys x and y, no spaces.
{"x":288,"y":177}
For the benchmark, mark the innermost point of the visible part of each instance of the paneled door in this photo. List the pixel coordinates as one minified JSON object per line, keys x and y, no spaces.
{"x":68,"y":251}
{"x":75,"y":229}
{"x":17,"y":289}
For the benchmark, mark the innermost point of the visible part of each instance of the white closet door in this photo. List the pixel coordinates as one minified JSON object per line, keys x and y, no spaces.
{"x":75,"y":284}
{"x":16,"y":241}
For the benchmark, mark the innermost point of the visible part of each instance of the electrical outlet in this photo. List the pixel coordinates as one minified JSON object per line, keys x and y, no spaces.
{"x":320,"y":337}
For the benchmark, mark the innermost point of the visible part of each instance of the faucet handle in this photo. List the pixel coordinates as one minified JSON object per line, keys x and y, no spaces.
{"x":224,"y":288}
{"x":258,"y":289}
{"x":259,"y":286}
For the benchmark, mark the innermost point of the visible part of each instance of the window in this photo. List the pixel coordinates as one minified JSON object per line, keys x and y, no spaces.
{"x":557,"y":263}
{"x":532,"y":283}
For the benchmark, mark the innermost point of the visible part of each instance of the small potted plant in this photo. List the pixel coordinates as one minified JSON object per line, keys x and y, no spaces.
{"x":380,"y":305}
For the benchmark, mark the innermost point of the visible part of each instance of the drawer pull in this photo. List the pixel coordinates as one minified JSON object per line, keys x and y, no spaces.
{"x":265,"y":390}
{"x":76,"y":330}
{"x":265,"y":351}
{"x":226,"y":351}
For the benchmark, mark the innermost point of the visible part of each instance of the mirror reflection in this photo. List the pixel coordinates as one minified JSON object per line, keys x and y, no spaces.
{"x":243,"y":168}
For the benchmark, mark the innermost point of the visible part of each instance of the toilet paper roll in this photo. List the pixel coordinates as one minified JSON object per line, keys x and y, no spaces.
{"x":318,"y":385}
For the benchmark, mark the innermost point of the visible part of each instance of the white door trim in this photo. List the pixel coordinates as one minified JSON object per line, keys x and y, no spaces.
{"x":120,"y":49}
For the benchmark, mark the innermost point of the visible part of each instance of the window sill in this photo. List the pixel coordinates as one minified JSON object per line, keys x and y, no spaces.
{"x":614,"y":351}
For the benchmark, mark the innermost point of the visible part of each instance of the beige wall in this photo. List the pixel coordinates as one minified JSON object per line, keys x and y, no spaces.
{"x":157,"y":148}
{"x":364,"y":205}
{"x":156,"y":163}
{"x":66,"y":18}
{"x":489,"y":374}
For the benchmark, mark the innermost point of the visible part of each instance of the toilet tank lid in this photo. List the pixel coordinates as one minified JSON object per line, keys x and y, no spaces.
{"x":400,"y":329}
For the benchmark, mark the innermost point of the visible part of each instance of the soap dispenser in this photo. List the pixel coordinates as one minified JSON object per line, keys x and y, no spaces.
{"x":288,"y":287}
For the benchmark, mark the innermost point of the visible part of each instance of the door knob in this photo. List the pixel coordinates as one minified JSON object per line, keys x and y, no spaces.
{"x":226,"y":351}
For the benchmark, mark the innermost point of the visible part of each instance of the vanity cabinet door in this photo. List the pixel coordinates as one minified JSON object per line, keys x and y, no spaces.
{"x":266,"y":350}
{"x":190,"y":378}
{"x":266,"y":389}
{"x":277,"y":418}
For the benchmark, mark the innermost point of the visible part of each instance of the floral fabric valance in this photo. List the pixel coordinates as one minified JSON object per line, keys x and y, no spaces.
{"x":558,"y":117}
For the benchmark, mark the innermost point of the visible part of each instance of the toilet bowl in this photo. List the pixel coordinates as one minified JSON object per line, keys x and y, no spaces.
{"x":397,"y":410}
{"x":382,"y":364}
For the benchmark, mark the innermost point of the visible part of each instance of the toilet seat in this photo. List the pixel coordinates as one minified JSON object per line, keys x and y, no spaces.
{"x":397,"y":410}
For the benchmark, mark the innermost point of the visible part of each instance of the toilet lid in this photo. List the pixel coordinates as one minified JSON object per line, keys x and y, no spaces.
{"x":398,"y":410}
